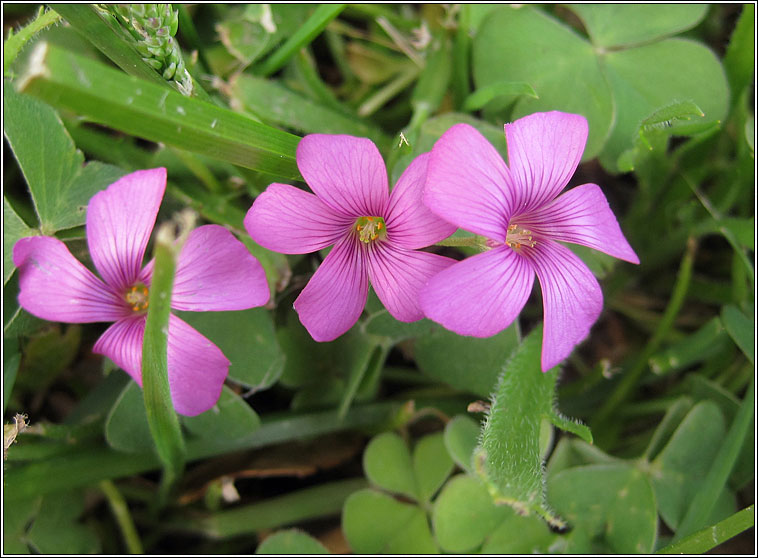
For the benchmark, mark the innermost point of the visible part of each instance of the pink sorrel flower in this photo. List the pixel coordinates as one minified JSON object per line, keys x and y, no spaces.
{"x":214,"y":272}
{"x":375,"y":234}
{"x":517,"y":209}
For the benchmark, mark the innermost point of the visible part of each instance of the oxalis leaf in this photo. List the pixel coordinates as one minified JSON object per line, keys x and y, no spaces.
{"x":59,"y":182}
{"x":508,"y":455}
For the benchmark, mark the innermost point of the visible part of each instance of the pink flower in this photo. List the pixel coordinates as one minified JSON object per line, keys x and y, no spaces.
{"x":375,"y":234}
{"x":214,"y":272}
{"x":517,"y":209}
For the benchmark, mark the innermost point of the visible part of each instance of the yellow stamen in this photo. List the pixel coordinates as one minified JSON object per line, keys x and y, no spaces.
{"x":371,"y":228}
{"x":137,"y":297}
{"x":518,"y":237}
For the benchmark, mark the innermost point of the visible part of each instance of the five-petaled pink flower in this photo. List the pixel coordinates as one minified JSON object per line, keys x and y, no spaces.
{"x":214,"y":272}
{"x":517,"y":209}
{"x":376,"y":235}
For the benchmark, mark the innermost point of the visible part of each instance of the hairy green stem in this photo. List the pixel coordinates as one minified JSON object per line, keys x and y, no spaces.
{"x":16,"y":41}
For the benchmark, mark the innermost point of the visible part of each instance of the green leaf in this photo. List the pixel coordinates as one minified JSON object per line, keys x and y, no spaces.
{"x":461,"y":435}
{"x":383,"y":324}
{"x":16,"y":320}
{"x":679,"y":470}
{"x":614,"y":25}
{"x":387,"y":463}
{"x":523,"y":398}
{"x":157,"y":113}
{"x":612,"y":501}
{"x":11,"y":360}
{"x":247,"y":338}
{"x":528,"y":535}
{"x":431,"y":465}
{"x":468,"y":363}
{"x":48,"y":353}
{"x":654,"y":130}
{"x":660,"y":74}
{"x":464,"y":515}
{"x":667,"y":426}
{"x":375,"y":523}
{"x":741,"y":328}
{"x":56,"y":529}
{"x":572,"y":452}
{"x":433,"y":81}
{"x":710,"y":489}
{"x":109,"y":39}
{"x":248,"y":32}
{"x":276,"y":104}
{"x":743,"y":229}
{"x":126,"y":427}
{"x":698,"y":346}
{"x":18,"y":514}
{"x":230,"y":418}
{"x":53,"y":168}
{"x":739,"y":60}
{"x":291,"y":541}
{"x":525,"y":45}
{"x":484,"y":95}
{"x":14,"y":228}
{"x":712,"y":536}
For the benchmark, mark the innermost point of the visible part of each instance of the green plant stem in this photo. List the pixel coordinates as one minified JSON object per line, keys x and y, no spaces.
{"x":631,"y":378}
{"x":161,"y":417}
{"x":318,"y":501}
{"x":468,"y":241}
{"x":320,"y":18}
{"x":120,"y":511}
{"x":381,"y":97}
{"x":16,"y":41}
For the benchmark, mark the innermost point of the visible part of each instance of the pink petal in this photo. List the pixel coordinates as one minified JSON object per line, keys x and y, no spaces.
{"x":288,"y":220}
{"x":122,"y":343}
{"x":398,"y":275}
{"x":119,"y":222}
{"x":346,"y":172}
{"x":582,"y":216}
{"x":410,"y":224}
{"x":466,"y":183}
{"x":334,"y":298}
{"x":571,"y":296}
{"x":216,"y":272}
{"x":196,"y":369}
{"x":480,"y":295}
{"x":543,"y":151}
{"x":55,"y":286}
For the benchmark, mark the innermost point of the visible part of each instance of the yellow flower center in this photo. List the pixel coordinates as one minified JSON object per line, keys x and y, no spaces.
{"x":371,"y":228}
{"x":137,"y":297}
{"x":518,"y":237}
